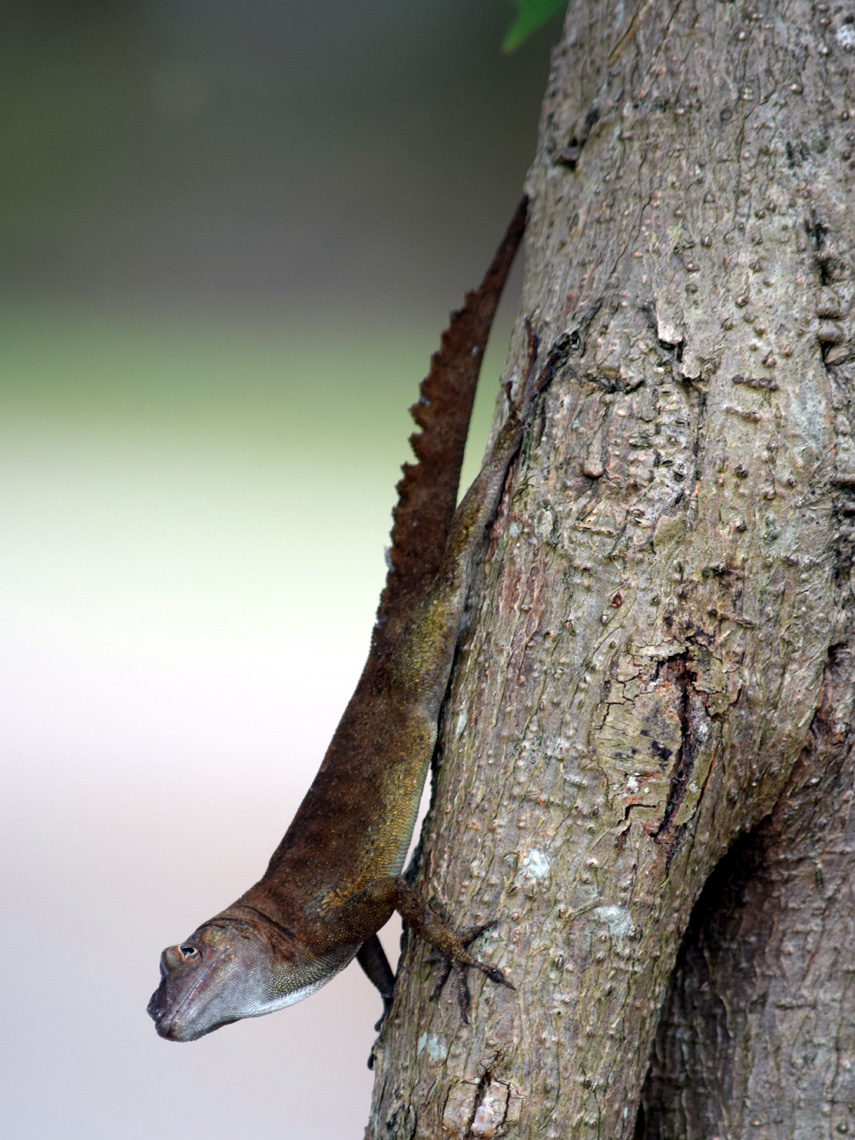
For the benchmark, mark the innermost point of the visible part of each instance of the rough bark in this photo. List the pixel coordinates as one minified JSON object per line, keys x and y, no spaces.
{"x":757,"y":1036}
{"x":657,"y":669}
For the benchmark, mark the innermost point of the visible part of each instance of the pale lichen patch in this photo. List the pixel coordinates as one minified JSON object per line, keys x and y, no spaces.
{"x":437,"y":1050}
{"x":616,"y":919}
{"x":535,"y":864}
{"x":533,"y":871}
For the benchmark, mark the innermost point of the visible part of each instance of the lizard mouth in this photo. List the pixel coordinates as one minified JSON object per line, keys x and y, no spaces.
{"x":166,"y":1007}
{"x":158,"y":1012}
{"x":167,"y":1021}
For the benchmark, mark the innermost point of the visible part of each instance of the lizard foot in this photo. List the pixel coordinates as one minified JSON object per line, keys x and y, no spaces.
{"x":459,"y":960}
{"x":452,"y":948}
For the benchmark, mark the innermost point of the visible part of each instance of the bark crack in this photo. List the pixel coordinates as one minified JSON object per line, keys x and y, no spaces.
{"x":679,"y":671}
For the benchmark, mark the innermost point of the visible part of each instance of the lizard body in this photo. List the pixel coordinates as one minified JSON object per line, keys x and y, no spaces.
{"x":335,"y":878}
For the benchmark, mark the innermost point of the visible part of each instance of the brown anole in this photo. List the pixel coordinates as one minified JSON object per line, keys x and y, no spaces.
{"x":335,"y":878}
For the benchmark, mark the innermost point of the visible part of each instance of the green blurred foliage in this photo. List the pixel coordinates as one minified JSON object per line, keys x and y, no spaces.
{"x":530,"y":16}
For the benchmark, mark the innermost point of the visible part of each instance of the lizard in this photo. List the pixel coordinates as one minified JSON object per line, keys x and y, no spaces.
{"x":335,"y":879}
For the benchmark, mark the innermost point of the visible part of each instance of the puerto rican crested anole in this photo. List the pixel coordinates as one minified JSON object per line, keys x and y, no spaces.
{"x":335,"y":878}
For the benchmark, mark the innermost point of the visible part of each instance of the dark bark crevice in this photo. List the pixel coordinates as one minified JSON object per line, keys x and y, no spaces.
{"x":773,"y":898}
{"x":690,"y":707}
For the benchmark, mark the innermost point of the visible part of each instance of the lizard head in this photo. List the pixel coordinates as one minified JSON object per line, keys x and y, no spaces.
{"x":220,"y":974}
{"x":227,"y":970}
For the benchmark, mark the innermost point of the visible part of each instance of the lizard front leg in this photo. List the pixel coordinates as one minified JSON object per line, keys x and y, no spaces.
{"x":452,"y":947}
{"x":372,"y":958}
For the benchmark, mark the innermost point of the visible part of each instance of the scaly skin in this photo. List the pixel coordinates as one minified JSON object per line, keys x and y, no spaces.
{"x":334,"y":880}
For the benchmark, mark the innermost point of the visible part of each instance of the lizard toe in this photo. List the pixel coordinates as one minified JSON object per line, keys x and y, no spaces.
{"x":464,"y":998}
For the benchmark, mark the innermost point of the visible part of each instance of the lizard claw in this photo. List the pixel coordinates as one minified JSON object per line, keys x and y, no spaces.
{"x":468,"y":936}
{"x":447,"y":964}
{"x":463,"y":997}
{"x":492,"y":972}
{"x":387,"y":1005}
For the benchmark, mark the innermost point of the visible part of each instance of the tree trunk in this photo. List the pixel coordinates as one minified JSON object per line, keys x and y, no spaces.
{"x":657,"y":671}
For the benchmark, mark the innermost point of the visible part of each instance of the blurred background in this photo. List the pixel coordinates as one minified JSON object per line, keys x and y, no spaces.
{"x":230,"y":234}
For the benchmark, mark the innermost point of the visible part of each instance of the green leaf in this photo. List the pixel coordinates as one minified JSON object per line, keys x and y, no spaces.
{"x":531,"y":14}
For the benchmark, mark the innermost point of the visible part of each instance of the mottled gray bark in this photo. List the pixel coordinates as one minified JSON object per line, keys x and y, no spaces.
{"x":757,"y":1036}
{"x":657,"y":673}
